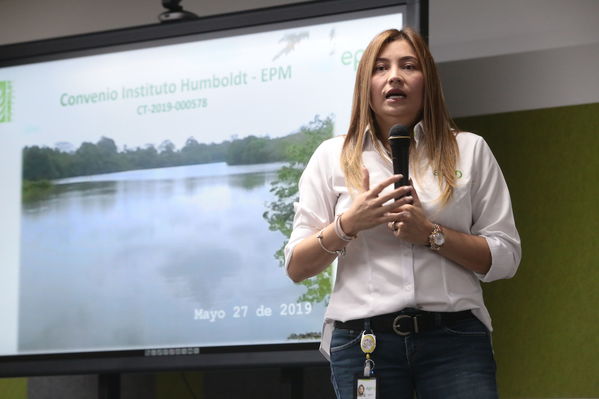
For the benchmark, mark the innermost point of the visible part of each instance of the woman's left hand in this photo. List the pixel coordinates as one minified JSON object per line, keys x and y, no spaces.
{"x":411,"y":223}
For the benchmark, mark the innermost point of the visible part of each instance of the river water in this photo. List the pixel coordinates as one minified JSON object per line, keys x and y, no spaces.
{"x":176,"y":256}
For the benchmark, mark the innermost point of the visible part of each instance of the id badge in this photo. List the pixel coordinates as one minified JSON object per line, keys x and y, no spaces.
{"x":365,"y":387}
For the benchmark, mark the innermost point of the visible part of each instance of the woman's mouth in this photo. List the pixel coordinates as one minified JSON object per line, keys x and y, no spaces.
{"x":395,"y":94}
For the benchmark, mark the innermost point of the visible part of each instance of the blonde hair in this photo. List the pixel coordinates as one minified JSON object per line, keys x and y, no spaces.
{"x":439,"y":146}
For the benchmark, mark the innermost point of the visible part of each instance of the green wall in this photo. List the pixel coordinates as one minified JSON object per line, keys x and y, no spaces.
{"x":13,"y":388}
{"x":184,"y":384}
{"x":546,"y":318}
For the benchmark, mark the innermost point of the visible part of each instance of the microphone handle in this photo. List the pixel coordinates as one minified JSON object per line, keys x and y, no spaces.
{"x":400,"y":151}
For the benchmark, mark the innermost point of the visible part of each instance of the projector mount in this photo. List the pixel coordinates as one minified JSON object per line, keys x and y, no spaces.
{"x":175,"y":12}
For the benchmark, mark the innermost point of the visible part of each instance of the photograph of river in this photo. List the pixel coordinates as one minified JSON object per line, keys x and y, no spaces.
{"x":157,"y":257}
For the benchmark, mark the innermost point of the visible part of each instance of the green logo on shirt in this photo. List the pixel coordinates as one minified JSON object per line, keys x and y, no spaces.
{"x":5,"y":101}
{"x":458,"y":173}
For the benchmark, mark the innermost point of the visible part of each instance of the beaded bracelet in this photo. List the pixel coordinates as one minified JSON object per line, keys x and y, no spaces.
{"x":339,"y":231}
{"x":338,"y":252}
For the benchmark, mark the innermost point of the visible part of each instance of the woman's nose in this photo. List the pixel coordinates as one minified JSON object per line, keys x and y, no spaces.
{"x":395,"y":75}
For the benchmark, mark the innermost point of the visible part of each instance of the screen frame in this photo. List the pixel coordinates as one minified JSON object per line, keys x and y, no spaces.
{"x":275,"y":355}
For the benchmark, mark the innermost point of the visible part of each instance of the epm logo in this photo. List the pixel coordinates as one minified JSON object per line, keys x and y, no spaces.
{"x":5,"y":101}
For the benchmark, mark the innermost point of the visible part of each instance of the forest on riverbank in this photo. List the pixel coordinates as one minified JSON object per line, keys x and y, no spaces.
{"x":45,"y":163}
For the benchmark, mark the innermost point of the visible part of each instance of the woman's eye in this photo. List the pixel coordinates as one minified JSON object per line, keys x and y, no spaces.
{"x":378,"y":68}
{"x":409,"y":67}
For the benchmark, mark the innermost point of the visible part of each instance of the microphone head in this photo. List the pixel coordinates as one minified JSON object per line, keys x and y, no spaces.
{"x":398,"y":131}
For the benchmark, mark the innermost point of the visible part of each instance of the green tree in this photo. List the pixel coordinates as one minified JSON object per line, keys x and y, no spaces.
{"x":39,"y":163}
{"x":111,"y":160}
{"x":191,"y":153}
{"x":168,"y":154}
{"x":252,"y":150}
{"x":107,"y":146}
{"x":280,"y":212}
{"x":87,"y":160}
{"x":143,"y":158}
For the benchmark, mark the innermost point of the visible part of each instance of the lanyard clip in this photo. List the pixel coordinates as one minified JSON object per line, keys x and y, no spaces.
{"x":367,"y":343}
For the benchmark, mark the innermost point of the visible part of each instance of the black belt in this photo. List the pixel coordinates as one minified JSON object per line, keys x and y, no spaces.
{"x":406,"y":322}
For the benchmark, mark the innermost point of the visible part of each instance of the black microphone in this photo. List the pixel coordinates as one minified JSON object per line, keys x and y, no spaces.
{"x":399,"y":140}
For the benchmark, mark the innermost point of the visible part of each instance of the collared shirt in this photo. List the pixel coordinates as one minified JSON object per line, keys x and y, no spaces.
{"x":381,"y":273}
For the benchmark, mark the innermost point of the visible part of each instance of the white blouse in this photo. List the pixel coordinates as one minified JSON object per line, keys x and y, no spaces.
{"x":381,"y":273}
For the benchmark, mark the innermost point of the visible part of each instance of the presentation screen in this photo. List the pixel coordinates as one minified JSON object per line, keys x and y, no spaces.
{"x":148,"y":192}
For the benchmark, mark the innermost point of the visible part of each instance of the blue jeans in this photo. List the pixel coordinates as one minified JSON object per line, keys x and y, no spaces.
{"x":444,"y":363}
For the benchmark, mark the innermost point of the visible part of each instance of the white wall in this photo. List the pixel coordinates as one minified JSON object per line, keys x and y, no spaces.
{"x":510,"y":55}
{"x":465,"y":29}
{"x":26,"y":20}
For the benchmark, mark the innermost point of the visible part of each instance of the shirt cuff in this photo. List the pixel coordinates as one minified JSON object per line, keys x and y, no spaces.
{"x":504,"y":260}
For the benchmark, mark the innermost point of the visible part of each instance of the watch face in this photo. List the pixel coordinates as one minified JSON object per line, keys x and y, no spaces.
{"x":439,"y":239}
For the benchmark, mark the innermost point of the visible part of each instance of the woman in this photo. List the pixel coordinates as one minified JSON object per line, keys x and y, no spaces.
{"x":408,"y":269}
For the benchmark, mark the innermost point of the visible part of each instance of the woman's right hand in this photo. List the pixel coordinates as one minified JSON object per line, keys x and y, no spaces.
{"x":369,"y":208}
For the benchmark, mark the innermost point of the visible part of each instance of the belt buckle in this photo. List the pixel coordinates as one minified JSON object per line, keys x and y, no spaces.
{"x":397,"y":324}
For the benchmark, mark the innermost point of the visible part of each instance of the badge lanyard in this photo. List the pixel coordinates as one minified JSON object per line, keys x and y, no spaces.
{"x":365,"y":384}
{"x":368,"y":345}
